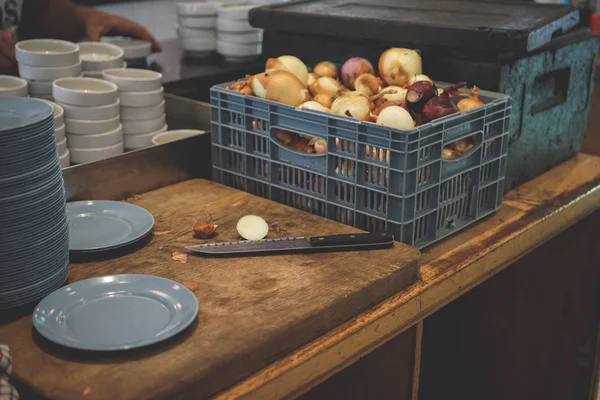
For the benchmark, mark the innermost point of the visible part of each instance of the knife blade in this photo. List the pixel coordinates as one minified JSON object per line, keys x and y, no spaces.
{"x":299,"y":245}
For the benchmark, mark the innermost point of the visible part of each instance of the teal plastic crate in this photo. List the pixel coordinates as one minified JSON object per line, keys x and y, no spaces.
{"x":372,"y":177}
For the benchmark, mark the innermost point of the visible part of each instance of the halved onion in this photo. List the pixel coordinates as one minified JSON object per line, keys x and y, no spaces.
{"x":252,"y":227}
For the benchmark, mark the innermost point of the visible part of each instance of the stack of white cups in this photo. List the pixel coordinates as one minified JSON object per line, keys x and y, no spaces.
{"x":237,"y":40}
{"x":41,"y":61}
{"x":93,"y":127}
{"x":59,"y":133}
{"x":142,"y":104}
{"x":196,"y":30}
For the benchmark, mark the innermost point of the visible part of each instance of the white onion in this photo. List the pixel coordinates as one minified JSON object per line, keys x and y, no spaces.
{"x":355,"y":105}
{"x":419,"y":78}
{"x":291,"y":64}
{"x":393,"y":93}
{"x":280,"y":86}
{"x":398,"y":65}
{"x":313,"y":105}
{"x":325,"y":85}
{"x":252,"y":227}
{"x":367,"y":84}
{"x":396,"y":117}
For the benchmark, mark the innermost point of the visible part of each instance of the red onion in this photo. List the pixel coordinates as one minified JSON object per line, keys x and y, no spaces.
{"x":353,"y":68}
{"x":441,"y":105}
{"x":418,"y":94}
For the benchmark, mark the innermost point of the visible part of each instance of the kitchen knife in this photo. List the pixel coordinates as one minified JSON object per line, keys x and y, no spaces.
{"x":298,"y":245}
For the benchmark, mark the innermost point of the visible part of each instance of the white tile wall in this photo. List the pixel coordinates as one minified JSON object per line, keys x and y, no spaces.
{"x":158,"y":16}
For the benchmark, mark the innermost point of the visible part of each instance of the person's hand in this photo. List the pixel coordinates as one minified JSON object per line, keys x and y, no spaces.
{"x":98,"y":24}
{"x":8,"y":63}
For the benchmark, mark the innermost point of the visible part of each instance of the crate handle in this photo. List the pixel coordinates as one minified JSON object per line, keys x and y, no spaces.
{"x":288,"y":148}
{"x":558,"y":80}
{"x":478,"y":140}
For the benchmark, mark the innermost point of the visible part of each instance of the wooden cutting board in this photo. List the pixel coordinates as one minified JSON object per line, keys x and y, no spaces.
{"x":252,"y":312}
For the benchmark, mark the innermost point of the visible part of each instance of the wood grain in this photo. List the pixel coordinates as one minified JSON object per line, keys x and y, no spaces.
{"x":253,"y":311}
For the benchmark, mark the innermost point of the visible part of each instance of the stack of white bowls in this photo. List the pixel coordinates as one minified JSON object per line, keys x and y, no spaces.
{"x":136,"y":51}
{"x":13,"y":86}
{"x":59,"y":133}
{"x":142,"y":104}
{"x":97,"y":56}
{"x":237,"y":40}
{"x":94,"y":130}
{"x":196,"y":30}
{"x":41,"y":61}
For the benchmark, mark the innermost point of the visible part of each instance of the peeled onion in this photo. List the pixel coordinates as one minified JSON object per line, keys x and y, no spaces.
{"x":419,"y":78}
{"x":471,"y":103}
{"x":326,"y":68}
{"x":391,"y":93}
{"x":387,"y":104}
{"x":325,"y":99}
{"x":367,"y":84}
{"x":396,"y":117}
{"x":325,"y":84}
{"x":291,"y":64}
{"x":313,"y":105}
{"x":280,"y":86}
{"x":353,"y":68}
{"x":312,"y":77}
{"x":398,"y":65}
{"x":252,"y":227}
{"x":354,"y":105}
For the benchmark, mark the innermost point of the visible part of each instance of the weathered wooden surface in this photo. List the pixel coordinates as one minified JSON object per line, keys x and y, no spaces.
{"x":253,"y":311}
{"x":532,"y":214}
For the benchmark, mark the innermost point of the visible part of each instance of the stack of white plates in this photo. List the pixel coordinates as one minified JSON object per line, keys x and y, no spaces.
{"x":13,"y":86}
{"x":34,"y":240}
{"x":93,"y":127}
{"x":135,"y":51}
{"x":237,"y":40}
{"x":142,"y":104}
{"x":59,"y":132}
{"x":41,"y":61}
{"x":96,"y":57}
{"x":197,"y":25}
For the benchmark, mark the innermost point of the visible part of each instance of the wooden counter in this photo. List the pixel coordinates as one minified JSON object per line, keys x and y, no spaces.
{"x":531,"y":215}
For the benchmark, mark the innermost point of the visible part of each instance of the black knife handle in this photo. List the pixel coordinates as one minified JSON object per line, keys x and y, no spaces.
{"x":352,"y":239}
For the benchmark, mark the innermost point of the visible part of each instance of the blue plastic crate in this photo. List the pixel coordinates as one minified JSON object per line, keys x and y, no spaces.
{"x":372,"y":177}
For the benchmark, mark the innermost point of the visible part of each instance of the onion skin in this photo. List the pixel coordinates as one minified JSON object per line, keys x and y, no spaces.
{"x":354,"y":105}
{"x":290,"y":64}
{"x":418,"y":94}
{"x":302,"y":145}
{"x":441,"y":106}
{"x":326,"y":68}
{"x":396,"y":117}
{"x":280,"y":86}
{"x":471,"y":103}
{"x":367,"y":84}
{"x":353,"y":68}
{"x":397,"y":65}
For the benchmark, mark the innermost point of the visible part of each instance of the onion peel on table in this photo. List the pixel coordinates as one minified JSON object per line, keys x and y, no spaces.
{"x":204,"y":231}
{"x":181,"y":257}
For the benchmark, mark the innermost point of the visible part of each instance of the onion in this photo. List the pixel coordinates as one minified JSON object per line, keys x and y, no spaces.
{"x":449,"y":154}
{"x":441,"y":105}
{"x":326,"y":68}
{"x":353,"y":68}
{"x":367,"y":84}
{"x":312,"y":77}
{"x":354,"y":105}
{"x":291,"y":64}
{"x":387,"y":104}
{"x":396,"y":117}
{"x":418,"y":94}
{"x":391,"y":93}
{"x":319,"y":145}
{"x":325,"y":99}
{"x":326,"y":84}
{"x":315,"y":106}
{"x":252,"y":227}
{"x":301,"y":144}
{"x":279,"y":86}
{"x":419,"y":78}
{"x":398,"y":65}
{"x":471,"y":103}
{"x":284,"y":137}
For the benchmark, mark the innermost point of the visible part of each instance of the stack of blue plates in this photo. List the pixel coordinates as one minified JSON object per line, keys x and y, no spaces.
{"x":34,"y":237}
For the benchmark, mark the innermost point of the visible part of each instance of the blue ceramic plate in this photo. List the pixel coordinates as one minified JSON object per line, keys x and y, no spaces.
{"x":17,"y":112}
{"x":116,"y":312}
{"x":103,"y":224}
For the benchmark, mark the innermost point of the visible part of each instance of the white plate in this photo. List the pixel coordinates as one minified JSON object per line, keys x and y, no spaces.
{"x":47,"y":53}
{"x":142,"y":113}
{"x":89,"y":127}
{"x":141,"y":99}
{"x":98,"y":140}
{"x":65,"y":159}
{"x":198,"y":22}
{"x":98,"y":56}
{"x":134,"y":142}
{"x":238,"y":12}
{"x":81,"y":156}
{"x":173,"y":136}
{"x":198,"y":45}
{"x":132,"y":48}
{"x":238,"y":49}
{"x":201,"y":34}
{"x":92,"y":113}
{"x":241,"y":37}
{"x":61,"y":146}
{"x":13,"y":86}
{"x":197,"y":8}
{"x":133,"y":80}
{"x":59,"y":133}
{"x":231,"y":25}
{"x":147,"y":126}
{"x":49,"y":73}
{"x":86,"y":92}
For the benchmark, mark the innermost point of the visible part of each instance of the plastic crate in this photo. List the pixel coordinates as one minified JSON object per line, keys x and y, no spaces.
{"x":372,"y":177}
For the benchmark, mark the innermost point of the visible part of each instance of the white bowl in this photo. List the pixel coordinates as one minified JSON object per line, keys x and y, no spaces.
{"x":142,"y":113}
{"x":97,"y":140}
{"x":133,"y":49}
{"x":204,"y":34}
{"x":47,"y":53}
{"x":232,"y":25}
{"x":237,"y":12}
{"x":197,"y":9}
{"x":134,"y":142}
{"x":13,"y":86}
{"x":88,"y":127}
{"x":65,"y":159}
{"x":49,"y":73}
{"x":173,"y":136}
{"x":238,"y":49}
{"x":81,"y":156}
{"x":92,"y":113}
{"x":133,"y":79}
{"x":87,"y":92}
{"x":59,"y":132}
{"x":141,"y":99}
{"x":146,"y":126}
{"x":98,"y":56}
{"x":199,"y":22}
{"x":241,"y":37}
{"x":61,"y":146}
{"x":199,"y":44}
{"x":59,"y":113}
